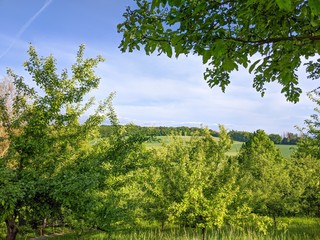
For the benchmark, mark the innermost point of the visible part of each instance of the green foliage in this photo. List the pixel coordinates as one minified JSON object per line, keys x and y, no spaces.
{"x":229,"y":34}
{"x":193,"y":184}
{"x":119,"y":198}
{"x":106,"y":130}
{"x":45,"y":136}
{"x":309,"y":144}
{"x":307,"y":161}
{"x":286,"y":150}
{"x":275,"y":138}
{"x":264,"y":180}
{"x":305,"y":179}
{"x":240,"y":136}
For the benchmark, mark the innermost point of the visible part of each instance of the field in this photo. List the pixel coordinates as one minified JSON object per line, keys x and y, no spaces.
{"x":286,"y":150}
{"x":292,"y":229}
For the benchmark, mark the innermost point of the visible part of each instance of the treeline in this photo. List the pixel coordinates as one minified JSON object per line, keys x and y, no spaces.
{"x":287,"y":138}
{"x":106,"y":130}
{"x":241,"y":136}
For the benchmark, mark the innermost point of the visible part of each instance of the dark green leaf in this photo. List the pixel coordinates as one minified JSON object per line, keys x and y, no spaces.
{"x":253,"y":66}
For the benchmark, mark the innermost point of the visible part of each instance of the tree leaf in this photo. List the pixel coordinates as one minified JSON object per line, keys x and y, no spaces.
{"x":284,"y":4}
{"x":206,"y":56}
{"x":315,"y":6}
{"x":167,"y":49}
{"x":229,"y":65}
{"x":253,"y":65}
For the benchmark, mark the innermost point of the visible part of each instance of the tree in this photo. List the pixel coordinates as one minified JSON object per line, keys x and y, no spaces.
{"x":309,"y":143}
{"x":120,"y":195}
{"x":275,"y":138}
{"x":240,"y":136}
{"x":307,"y":156}
{"x":290,"y":138}
{"x":44,"y":135}
{"x":195,"y":182}
{"x":229,"y":34}
{"x":7,"y":94}
{"x":264,"y":181}
{"x":305,"y":181}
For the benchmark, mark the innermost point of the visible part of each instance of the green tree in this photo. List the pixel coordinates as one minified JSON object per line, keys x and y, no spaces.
{"x":195,"y":182}
{"x":305,"y":181}
{"x":264,"y":181}
{"x":307,"y":156}
{"x":44,"y":134}
{"x":275,"y":138}
{"x":120,"y":194}
{"x":240,"y":136}
{"x":229,"y":34}
{"x":309,"y":143}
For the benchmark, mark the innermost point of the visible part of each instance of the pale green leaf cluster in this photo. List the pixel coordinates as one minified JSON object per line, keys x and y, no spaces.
{"x":195,"y":182}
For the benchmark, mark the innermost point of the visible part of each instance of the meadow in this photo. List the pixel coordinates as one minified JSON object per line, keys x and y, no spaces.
{"x":290,"y":229}
{"x":285,"y":150}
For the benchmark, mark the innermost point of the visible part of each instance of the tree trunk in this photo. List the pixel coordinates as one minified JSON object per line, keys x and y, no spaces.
{"x":203,"y":231}
{"x":274,"y":221}
{"x":43,"y":226}
{"x":12,"y":228}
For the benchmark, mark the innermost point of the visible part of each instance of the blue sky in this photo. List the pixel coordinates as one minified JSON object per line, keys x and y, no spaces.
{"x":150,"y":90}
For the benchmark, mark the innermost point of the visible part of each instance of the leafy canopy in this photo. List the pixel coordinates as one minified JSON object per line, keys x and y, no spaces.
{"x":43,"y":134}
{"x":228,"y":34}
{"x":196,"y":182}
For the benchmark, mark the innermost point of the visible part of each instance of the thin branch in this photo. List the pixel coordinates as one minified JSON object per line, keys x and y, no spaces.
{"x":274,"y":40}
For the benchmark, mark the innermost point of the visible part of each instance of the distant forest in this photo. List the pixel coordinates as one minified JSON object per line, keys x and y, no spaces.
{"x":287,"y":138}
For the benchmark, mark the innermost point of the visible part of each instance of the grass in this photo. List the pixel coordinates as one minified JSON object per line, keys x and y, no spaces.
{"x":286,"y":150}
{"x":297,"y":229}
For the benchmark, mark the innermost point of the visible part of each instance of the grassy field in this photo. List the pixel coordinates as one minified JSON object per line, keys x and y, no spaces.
{"x":295,"y":229}
{"x":286,"y":150}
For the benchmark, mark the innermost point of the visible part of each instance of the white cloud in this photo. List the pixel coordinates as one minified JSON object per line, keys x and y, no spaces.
{"x":180,"y":96}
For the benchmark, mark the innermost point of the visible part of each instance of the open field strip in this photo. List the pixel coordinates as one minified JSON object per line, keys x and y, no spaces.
{"x":286,"y":150}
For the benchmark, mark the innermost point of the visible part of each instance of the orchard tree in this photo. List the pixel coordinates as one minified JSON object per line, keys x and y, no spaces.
{"x":195,"y":184}
{"x":307,"y":156}
{"x":263,"y":179}
{"x":126,"y":163}
{"x":44,"y":135}
{"x":309,"y":143}
{"x":305,"y":181}
{"x":270,"y":38}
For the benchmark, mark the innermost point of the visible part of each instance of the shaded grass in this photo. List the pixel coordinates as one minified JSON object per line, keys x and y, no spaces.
{"x":292,"y":229}
{"x":297,"y":229}
{"x":303,"y":227}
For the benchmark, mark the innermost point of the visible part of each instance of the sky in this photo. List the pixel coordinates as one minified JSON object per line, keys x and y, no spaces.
{"x":150,"y":90}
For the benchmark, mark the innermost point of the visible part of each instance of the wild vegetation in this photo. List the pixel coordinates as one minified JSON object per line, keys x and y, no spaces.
{"x":59,"y":173}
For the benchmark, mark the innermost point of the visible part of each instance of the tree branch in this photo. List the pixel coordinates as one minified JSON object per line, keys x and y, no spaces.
{"x":274,"y":40}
